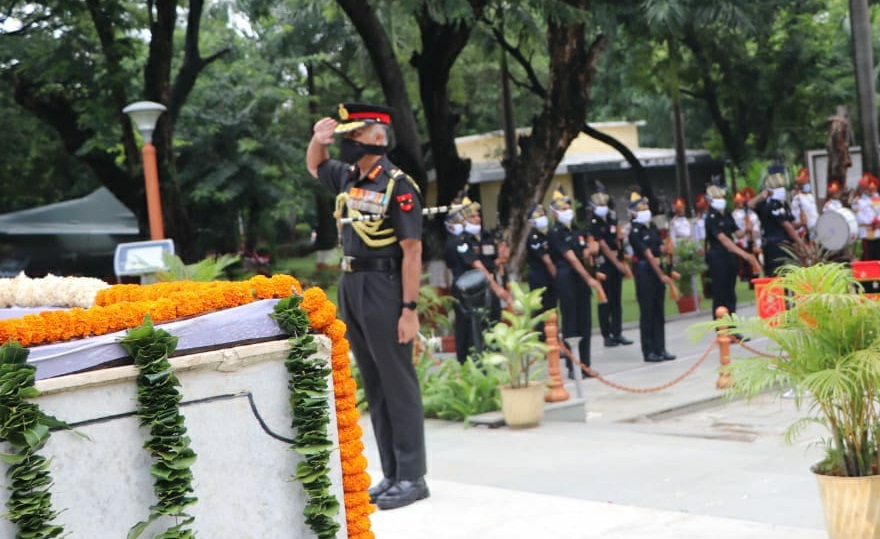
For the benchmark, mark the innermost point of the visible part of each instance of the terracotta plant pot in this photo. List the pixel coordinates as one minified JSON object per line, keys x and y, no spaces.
{"x":686,"y":304}
{"x":851,"y":506}
{"x":523,"y":407}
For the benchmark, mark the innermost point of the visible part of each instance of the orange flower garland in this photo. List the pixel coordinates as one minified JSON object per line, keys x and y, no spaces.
{"x":355,"y":479}
{"x":124,"y":306}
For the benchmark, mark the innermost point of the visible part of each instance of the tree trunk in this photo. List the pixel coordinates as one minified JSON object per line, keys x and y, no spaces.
{"x":863,"y":58}
{"x":441,"y":46}
{"x":572,"y":68}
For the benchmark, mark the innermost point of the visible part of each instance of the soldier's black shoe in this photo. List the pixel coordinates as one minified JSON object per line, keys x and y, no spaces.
{"x":403,"y":493}
{"x":611,"y":341}
{"x":653,"y":358}
{"x":666,"y":356}
{"x":380,"y":489}
{"x":622,"y":340}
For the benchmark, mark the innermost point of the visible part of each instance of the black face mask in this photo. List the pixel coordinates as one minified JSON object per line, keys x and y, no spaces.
{"x":351,"y":151}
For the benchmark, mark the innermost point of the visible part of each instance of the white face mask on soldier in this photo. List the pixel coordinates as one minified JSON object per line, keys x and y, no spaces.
{"x":541,"y":222}
{"x":719,"y":204}
{"x":565,"y":216}
{"x":600,"y":211}
{"x":778,"y":193}
{"x":471,"y":228}
{"x":455,"y":229}
{"x":643,"y":217}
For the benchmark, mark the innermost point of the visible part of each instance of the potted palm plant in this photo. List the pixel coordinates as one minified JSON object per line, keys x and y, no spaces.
{"x":826,"y":346}
{"x":516,"y":346}
{"x":690,"y":263}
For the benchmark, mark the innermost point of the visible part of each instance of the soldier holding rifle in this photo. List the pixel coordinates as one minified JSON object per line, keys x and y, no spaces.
{"x":611,"y":264}
{"x":573,"y":281}
{"x":651,"y":281}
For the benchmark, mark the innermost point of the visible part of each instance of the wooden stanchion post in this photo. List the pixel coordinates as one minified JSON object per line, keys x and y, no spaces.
{"x":723,"y":338}
{"x":556,"y":387}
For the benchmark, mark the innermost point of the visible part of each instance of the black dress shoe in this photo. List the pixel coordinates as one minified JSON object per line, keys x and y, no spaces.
{"x":403,"y":493}
{"x":653,"y":358}
{"x":622,"y":340}
{"x":380,"y":489}
{"x":611,"y":341}
{"x":666,"y":356}
{"x":583,"y":375}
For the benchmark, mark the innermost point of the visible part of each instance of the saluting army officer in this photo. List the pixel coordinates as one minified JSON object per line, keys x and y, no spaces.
{"x":379,"y":287}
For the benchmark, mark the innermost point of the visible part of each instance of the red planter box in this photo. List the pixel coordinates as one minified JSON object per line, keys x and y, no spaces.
{"x":768,"y":296}
{"x":866,"y":270}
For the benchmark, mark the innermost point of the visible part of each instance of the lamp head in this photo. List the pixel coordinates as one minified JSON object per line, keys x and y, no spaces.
{"x":145,"y":114}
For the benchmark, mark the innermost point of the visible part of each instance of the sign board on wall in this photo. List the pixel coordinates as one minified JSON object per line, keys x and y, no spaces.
{"x":817,"y":164}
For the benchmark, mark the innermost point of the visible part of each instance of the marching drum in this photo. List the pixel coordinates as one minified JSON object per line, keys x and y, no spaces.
{"x":474,"y":289}
{"x":837,"y":228}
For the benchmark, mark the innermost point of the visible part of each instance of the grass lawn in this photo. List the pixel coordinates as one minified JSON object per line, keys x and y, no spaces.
{"x":630,"y":307}
{"x":303,"y":268}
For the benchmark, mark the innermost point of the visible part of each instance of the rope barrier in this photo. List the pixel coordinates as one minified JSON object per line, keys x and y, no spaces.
{"x":654,"y":389}
{"x":753,"y":350}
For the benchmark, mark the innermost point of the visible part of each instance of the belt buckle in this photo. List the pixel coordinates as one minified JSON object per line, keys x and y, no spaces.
{"x":345,"y":263}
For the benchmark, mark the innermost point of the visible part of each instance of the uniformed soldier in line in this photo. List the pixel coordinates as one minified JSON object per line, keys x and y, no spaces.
{"x":476,"y":249}
{"x":567,"y":246}
{"x":381,"y":273}
{"x":698,"y":222}
{"x":867,"y":210}
{"x":502,"y":273}
{"x":454,"y":229}
{"x":833,"y":202}
{"x":611,"y":263}
{"x":651,"y":281}
{"x":748,"y":231}
{"x":542,"y":271}
{"x":722,"y":251}
{"x":679,"y":225}
{"x":803,"y":206}
{"x":777,"y":222}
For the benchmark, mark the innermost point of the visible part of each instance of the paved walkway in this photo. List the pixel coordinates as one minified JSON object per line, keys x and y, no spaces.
{"x":679,"y":463}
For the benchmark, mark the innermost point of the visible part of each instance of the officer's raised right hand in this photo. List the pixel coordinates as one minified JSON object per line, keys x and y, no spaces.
{"x":323,"y":130}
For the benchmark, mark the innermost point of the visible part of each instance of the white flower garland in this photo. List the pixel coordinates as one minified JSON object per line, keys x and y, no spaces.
{"x":50,"y":291}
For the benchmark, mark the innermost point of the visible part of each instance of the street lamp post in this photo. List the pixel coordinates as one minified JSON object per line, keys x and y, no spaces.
{"x":145,"y":114}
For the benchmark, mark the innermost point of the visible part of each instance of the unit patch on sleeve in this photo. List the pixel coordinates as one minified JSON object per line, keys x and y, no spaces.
{"x":406,"y":201}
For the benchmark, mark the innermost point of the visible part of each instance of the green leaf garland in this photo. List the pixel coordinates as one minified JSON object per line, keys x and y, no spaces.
{"x":168,"y":444}
{"x":26,"y":429}
{"x":310,"y":400}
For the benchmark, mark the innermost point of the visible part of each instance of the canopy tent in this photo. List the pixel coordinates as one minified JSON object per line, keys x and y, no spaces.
{"x":73,"y":237}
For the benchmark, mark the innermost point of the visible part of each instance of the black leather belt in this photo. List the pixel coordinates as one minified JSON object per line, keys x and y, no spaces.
{"x":351,"y":264}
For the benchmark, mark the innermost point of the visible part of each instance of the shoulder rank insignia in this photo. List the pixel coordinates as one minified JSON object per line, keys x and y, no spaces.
{"x":406,"y":201}
{"x":374,"y":173}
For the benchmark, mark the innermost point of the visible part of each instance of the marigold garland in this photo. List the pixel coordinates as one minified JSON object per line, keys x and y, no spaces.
{"x":355,"y":480}
{"x":124,"y":306}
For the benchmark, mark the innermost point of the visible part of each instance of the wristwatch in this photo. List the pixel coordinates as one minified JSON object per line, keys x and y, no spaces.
{"x":411,"y":305}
